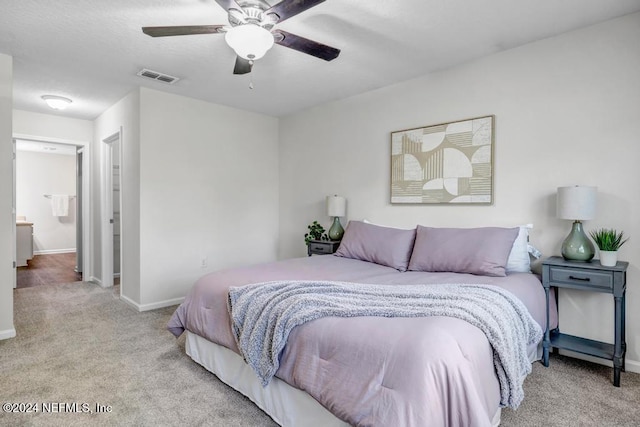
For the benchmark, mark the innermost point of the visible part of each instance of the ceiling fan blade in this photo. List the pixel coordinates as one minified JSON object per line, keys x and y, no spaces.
{"x":288,"y":8}
{"x":243,"y":66}
{"x":307,"y":46}
{"x":228,"y":4}
{"x":186,"y":30}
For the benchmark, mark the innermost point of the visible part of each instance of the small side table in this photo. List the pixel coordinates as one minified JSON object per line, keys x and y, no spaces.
{"x":594,"y":277}
{"x":322,"y":247}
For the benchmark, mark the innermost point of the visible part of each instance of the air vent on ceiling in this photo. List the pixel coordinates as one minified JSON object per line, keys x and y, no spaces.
{"x":154,"y":75}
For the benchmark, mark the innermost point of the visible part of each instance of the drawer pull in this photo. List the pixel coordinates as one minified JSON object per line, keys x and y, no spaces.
{"x":582,"y":279}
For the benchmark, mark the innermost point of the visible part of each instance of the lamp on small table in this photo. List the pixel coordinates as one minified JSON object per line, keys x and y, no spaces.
{"x":577,"y":203}
{"x":336,"y":207}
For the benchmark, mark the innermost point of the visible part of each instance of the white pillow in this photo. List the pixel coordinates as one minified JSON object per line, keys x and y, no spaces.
{"x":519,"y":261}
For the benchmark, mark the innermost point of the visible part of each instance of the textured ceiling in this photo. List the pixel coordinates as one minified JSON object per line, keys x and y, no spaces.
{"x":90,"y":50}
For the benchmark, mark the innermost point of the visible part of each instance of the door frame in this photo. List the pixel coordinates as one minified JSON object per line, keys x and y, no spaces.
{"x":87,"y":222}
{"x":80,"y":151}
{"x":106,"y":217}
{"x":14,"y":230}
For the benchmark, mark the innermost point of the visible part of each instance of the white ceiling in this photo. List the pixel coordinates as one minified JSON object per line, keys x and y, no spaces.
{"x":90,"y":50}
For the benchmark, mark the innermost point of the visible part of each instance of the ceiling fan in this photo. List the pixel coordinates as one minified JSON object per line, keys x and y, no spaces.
{"x":251,"y":31}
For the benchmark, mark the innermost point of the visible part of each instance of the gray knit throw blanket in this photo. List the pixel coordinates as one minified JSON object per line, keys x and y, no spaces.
{"x":263,"y":315}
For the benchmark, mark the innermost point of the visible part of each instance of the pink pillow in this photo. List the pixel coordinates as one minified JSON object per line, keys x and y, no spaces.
{"x":381,"y":245}
{"x":481,"y":251}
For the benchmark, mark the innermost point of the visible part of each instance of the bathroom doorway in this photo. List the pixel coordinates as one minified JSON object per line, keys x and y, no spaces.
{"x":50,"y":244}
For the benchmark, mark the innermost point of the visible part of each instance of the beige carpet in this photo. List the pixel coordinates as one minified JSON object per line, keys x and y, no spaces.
{"x":79,"y":343}
{"x":572,"y":392}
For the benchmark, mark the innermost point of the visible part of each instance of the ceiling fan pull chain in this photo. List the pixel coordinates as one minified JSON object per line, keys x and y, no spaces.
{"x":251,"y":77}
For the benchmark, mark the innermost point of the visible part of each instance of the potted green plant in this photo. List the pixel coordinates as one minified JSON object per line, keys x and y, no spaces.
{"x":316,"y":232}
{"x":608,"y":241}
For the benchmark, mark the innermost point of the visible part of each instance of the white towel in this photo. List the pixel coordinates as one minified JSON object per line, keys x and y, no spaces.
{"x":60,"y":204}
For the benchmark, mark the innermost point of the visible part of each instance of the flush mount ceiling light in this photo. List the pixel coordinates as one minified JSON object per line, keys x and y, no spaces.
{"x":56,"y":102}
{"x":249,"y":41}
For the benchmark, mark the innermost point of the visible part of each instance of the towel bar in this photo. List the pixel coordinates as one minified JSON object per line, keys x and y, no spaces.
{"x":48,"y":196}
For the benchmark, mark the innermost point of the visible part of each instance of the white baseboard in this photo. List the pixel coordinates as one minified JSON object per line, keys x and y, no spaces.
{"x":630,"y":365}
{"x":130,"y":302}
{"x":153,"y":305}
{"x":9,"y":333}
{"x":54,"y":251}
{"x":142,"y":307}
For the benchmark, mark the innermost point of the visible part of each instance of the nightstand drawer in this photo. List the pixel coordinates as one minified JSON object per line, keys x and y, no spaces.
{"x":319,"y":248}
{"x":322,"y":247}
{"x":581,"y":278}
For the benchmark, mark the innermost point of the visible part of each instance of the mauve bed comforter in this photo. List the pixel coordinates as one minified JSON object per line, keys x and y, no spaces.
{"x":370,"y":371}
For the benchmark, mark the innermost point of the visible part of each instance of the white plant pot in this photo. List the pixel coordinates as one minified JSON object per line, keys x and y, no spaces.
{"x":609,"y":258}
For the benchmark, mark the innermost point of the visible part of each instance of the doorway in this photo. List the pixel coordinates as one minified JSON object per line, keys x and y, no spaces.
{"x":111,"y":207}
{"x":79,"y":206}
{"x":49,"y":246}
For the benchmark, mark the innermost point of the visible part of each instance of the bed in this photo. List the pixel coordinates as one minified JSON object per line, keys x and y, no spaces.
{"x":369,"y":370}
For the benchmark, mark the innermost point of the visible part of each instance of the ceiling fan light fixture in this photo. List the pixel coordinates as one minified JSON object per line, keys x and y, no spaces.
{"x":249,"y":41}
{"x":56,"y":102}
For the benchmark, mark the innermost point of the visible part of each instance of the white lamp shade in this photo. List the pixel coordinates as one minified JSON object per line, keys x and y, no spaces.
{"x":577,"y":203}
{"x":249,"y":41}
{"x":336,"y":206}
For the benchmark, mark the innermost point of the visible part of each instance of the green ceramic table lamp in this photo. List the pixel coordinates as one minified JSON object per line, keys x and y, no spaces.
{"x":577,"y":203}
{"x":336,"y":207}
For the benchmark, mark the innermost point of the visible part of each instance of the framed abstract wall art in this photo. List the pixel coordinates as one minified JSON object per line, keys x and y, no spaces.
{"x":444,"y":164}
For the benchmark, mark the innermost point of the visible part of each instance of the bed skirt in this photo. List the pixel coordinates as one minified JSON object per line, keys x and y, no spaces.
{"x":286,"y":405}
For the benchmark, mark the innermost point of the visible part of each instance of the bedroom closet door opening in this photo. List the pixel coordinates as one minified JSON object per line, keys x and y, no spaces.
{"x":111,"y":202}
{"x":115,"y":193}
{"x":79,"y":208}
{"x":13,"y":219}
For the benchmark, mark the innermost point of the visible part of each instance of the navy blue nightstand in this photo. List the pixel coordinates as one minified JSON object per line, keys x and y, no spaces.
{"x":594,"y":277}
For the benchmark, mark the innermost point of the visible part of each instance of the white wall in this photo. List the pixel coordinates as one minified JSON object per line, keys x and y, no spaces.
{"x":38,"y":174}
{"x":199,"y":181}
{"x":566,"y":112}
{"x":208,"y":190}
{"x":7,"y":329}
{"x":26,"y":123}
